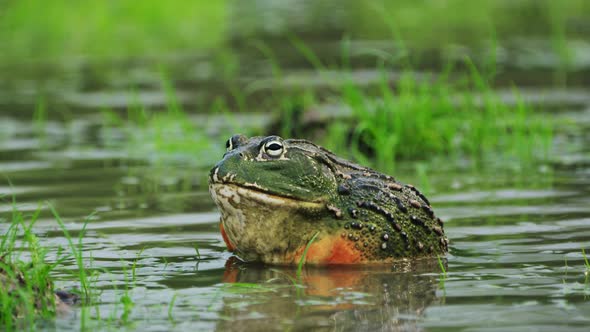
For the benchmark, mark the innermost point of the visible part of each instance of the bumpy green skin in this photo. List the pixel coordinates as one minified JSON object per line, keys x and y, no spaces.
{"x":385,"y":219}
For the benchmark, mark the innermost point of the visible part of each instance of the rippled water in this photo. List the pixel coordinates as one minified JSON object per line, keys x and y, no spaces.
{"x":515,"y":260}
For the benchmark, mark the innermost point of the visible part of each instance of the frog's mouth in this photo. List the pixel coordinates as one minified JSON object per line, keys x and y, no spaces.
{"x":236,"y":193}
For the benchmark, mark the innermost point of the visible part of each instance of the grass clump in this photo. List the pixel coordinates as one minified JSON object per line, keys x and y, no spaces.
{"x":27,"y":292}
{"x":428,"y":119}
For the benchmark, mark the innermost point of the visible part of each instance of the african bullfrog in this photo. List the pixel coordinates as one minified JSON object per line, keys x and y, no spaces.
{"x":275,"y":194}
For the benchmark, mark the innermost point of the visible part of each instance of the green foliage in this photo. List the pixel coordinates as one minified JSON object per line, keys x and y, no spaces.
{"x":432,"y":24}
{"x":25,"y":293}
{"x":41,"y":30}
{"x":426,"y":118}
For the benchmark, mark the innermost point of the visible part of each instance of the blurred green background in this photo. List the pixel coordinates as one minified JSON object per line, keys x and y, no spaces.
{"x":377,"y":81}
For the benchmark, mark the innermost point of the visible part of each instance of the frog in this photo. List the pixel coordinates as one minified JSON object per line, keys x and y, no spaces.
{"x":288,"y":201}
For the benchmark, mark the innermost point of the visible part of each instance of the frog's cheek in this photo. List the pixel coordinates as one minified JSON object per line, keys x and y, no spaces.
{"x":230,"y":246}
{"x":332,"y":249}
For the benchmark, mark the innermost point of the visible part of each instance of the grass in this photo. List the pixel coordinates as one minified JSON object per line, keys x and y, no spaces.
{"x":40,"y":31}
{"x":431,"y":24}
{"x":448,"y":118}
{"x":587,"y":265}
{"x":444,"y":275}
{"x":455,"y":119}
{"x":171,"y":307}
{"x":27,"y":292}
{"x":452,"y":116}
{"x":172,"y":136}
{"x":304,"y":256}
{"x":27,"y":299}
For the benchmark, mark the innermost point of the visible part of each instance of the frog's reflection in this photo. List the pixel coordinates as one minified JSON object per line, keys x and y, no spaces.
{"x":332,"y":298}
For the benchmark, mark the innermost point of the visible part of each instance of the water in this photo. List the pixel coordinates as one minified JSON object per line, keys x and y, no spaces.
{"x":515,"y":260}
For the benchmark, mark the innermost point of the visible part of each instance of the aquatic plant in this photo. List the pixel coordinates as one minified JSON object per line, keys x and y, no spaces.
{"x":424,"y":119}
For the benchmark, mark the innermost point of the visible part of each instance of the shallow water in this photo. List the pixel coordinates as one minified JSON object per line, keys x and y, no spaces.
{"x":515,"y":260}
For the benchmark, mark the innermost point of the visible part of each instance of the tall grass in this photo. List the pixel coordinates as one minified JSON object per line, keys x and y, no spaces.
{"x":454,"y":118}
{"x":27,"y":292}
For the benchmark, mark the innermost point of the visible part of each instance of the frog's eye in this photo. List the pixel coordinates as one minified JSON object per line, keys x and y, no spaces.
{"x":228,"y":145}
{"x":273,"y":148}
{"x":235,"y":141}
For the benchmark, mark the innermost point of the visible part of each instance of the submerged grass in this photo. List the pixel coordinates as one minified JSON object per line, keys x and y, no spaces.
{"x":172,"y":136}
{"x":587,"y":264}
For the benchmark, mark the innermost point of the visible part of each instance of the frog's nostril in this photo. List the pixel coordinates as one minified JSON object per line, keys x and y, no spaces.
{"x":241,"y":155}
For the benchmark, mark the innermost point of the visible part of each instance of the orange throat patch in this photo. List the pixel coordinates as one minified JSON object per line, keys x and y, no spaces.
{"x":331,"y":249}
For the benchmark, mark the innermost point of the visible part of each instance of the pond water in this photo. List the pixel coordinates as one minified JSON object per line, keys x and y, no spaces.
{"x":152,"y":233}
{"x":515,"y":260}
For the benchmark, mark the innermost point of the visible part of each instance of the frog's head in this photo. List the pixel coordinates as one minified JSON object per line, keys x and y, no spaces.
{"x":271,"y":194}
{"x":271,"y":168}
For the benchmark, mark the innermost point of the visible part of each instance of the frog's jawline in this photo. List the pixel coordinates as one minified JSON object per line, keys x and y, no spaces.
{"x":257,"y":225}
{"x":261,"y":196}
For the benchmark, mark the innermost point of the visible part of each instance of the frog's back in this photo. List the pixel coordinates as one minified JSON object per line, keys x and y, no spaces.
{"x":390,"y":219}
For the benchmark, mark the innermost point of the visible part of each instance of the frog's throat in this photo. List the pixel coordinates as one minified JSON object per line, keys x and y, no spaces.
{"x":235,"y":193}
{"x":262,"y":227}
